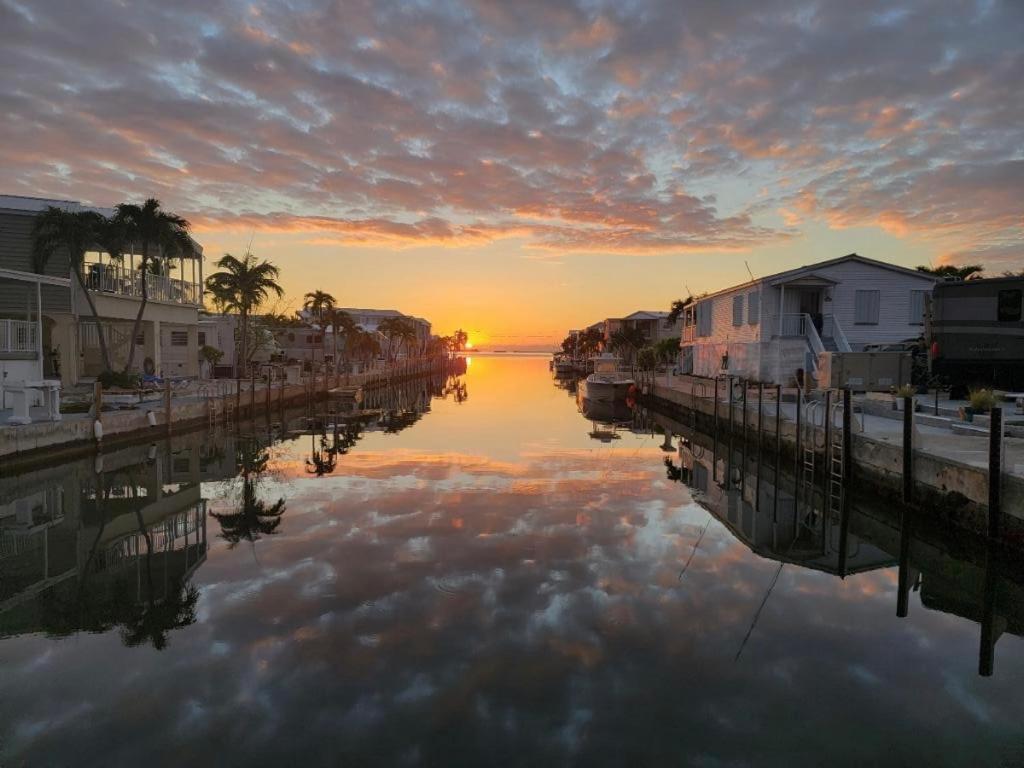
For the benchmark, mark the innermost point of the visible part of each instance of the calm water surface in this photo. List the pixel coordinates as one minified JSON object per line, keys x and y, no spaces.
{"x":481,"y":576}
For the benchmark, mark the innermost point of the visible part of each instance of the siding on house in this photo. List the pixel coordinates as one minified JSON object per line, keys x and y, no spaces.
{"x":756,"y":350}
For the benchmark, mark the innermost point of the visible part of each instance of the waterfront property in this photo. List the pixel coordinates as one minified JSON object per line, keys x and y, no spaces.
{"x":46,"y":328}
{"x":370,"y":320}
{"x":774,"y":329}
{"x":652,"y":325}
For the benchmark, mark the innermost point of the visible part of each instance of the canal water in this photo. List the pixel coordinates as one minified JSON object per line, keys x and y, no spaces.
{"x":470,"y":572}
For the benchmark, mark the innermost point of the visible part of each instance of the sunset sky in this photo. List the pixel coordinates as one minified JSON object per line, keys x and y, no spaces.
{"x":521,"y":168}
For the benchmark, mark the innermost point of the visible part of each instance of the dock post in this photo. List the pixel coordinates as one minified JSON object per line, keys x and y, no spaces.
{"x":252,"y":394}
{"x":167,"y":404}
{"x":728,"y":381}
{"x":995,"y":472}
{"x":716,"y":403}
{"x":989,"y":632}
{"x":760,"y":416}
{"x":845,"y":487}
{"x":97,"y":401}
{"x":908,"y":449}
{"x":826,"y":464}
{"x":799,"y":434}
{"x":903,"y":578}
{"x":744,"y":406}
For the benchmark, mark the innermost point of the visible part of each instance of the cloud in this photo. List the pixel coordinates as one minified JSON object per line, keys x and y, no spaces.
{"x":573,"y":126}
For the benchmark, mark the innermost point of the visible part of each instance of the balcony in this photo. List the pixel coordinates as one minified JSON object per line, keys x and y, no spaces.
{"x":123,"y":281}
{"x":689,"y":333}
{"x":18,"y":337}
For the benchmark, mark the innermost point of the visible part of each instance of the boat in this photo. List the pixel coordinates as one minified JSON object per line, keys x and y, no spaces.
{"x":607,"y":384}
{"x":563,"y":366}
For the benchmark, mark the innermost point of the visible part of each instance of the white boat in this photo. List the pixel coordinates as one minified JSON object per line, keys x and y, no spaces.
{"x":607,"y":384}
{"x":563,"y":366}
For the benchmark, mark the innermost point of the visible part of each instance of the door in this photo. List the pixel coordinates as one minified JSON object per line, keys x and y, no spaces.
{"x":810,"y":304}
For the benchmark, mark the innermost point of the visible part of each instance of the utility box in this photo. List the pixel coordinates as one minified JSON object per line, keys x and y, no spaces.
{"x":864,"y":371}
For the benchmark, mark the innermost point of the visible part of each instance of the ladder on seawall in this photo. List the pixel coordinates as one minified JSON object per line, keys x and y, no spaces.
{"x":836,"y":486}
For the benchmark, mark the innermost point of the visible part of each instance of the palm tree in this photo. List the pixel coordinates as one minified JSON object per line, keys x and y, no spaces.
{"x":241,"y":286}
{"x":460,"y":338}
{"x":319,"y":304}
{"x":626,"y":341}
{"x":953,"y":272}
{"x":151,"y":229}
{"x":394,"y":330}
{"x":75,"y":232}
{"x":676,"y":310}
{"x":341,"y":323}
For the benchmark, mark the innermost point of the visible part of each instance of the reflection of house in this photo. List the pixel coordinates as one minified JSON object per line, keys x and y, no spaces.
{"x":70,"y":533}
{"x":63,"y":335}
{"x":769,"y":328}
{"x":772,"y":522}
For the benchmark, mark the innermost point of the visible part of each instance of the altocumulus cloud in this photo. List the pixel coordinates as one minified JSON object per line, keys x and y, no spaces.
{"x":640,"y":127}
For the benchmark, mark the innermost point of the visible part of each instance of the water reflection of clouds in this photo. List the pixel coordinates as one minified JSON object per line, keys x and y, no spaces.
{"x":537,"y":618}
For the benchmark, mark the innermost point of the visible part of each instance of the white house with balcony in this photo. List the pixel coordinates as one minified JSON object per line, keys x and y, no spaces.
{"x":46,"y":327}
{"x":774,"y":328}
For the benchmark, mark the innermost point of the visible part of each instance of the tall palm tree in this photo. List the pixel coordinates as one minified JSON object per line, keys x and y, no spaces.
{"x":320,"y":304}
{"x":152,"y":230}
{"x":241,"y":286}
{"x":341,"y":323}
{"x":75,"y":232}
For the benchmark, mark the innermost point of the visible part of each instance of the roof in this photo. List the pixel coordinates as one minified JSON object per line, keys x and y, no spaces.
{"x":647,"y":314}
{"x":34,"y":205}
{"x":808,"y":272}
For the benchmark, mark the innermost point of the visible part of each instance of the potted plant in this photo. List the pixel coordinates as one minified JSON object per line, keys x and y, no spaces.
{"x":907,"y":390}
{"x":981,"y":401}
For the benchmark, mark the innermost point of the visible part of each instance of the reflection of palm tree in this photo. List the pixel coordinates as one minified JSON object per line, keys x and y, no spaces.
{"x":253,"y":518}
{"x":152,"y":620}
{"x":321,"y":460}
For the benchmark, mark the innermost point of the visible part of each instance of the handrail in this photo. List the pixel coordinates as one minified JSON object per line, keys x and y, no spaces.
{"x":123,"y":281}
{"x":812,"y":335}
{"x":840,"y":336}
{"x":18,"y":336}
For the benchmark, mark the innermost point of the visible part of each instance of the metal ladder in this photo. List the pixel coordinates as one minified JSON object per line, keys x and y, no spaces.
{"x":836,"y":486}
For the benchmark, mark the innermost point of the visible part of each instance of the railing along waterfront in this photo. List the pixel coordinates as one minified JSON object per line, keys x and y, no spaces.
{"x":122,"y":281}
{"x":18,"y":336}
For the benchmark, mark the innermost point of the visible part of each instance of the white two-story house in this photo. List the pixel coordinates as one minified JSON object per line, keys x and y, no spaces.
{"x":46,"y":326}
{"x":772,"y":329}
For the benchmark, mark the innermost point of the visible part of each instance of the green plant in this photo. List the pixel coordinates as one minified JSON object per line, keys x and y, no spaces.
{"x":212,"y":355}
{"x":982,"y":400}
{"x":907,"y":390}
{"x":120,"y":380}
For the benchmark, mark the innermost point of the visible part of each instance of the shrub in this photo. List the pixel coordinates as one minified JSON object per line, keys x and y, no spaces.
{"x":212,"y":355}
{"x":119,"y":380}
{"x":982,"y":400}
{"x":907,"y":390}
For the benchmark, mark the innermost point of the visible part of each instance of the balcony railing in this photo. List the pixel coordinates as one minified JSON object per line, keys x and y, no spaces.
{"x":689,"y":332}
{"x":122,"y":281}
{"x":18,"y":336}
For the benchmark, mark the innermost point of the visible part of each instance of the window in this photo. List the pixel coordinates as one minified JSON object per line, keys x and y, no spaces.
{"x":1009,"y":305}
{"x":704,"y":318}
{"x":917,"y":307}
{"x":202,"y":338}
{"x":754,"y":308}
{"x":179,"y":338}
{"x":737,"y":310}
{"x":140,"y":340}
{"x":865,"y":310}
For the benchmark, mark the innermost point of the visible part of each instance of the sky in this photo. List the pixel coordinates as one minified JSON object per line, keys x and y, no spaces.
{"x":522,"y":168}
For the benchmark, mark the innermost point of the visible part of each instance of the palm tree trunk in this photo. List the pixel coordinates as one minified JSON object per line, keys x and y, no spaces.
{"x":142,"y":308}
{"x":104,"y":352}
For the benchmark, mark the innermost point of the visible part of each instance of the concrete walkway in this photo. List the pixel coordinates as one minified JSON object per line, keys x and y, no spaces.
{"x":939,"y":441}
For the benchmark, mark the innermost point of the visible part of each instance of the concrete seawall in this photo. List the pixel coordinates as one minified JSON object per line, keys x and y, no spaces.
{"x":945,"y":489}
{"x":31,"y":444}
